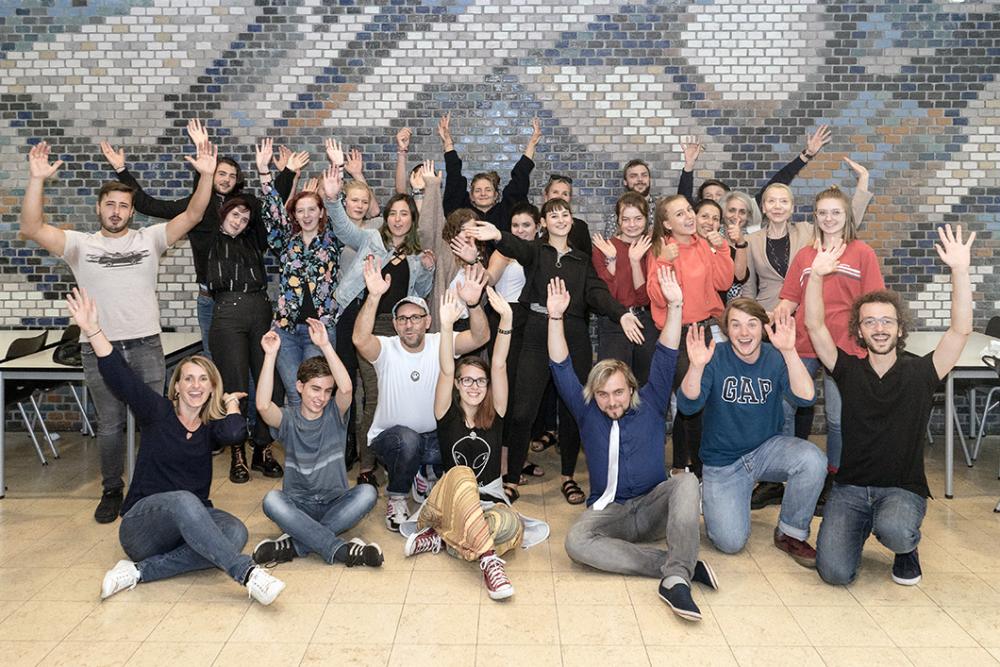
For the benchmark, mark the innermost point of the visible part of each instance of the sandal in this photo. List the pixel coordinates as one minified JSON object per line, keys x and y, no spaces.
{"x":531,"y":470}
{"x":572,"y":492}
{"x":511,"y":492}
{"x":544,"y":441}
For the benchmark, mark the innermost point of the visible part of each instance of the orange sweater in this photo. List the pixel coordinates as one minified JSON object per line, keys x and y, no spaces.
{"x":702,"y":273}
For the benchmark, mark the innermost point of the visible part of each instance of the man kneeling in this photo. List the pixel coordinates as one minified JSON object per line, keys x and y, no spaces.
{"x":315,"y":505}
{"x":623,"y":432}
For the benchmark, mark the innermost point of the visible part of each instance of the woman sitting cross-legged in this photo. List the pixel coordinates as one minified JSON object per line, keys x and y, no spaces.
{"x":467,"y":508}
{"x":168,"y":523}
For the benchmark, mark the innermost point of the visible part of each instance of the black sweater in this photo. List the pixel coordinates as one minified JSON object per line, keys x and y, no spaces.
{"x":787,"y":174}
{"x":456,"y":190}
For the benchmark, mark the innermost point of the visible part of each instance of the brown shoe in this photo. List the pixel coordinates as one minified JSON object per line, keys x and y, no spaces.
{"x":799,"y":550}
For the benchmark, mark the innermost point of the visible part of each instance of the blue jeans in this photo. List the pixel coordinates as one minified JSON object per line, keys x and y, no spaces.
{"x":145,"y":357}
{"x":852,"y":513}
{"x":315,"y":526}
{"x":831,"y":407}
{"x":171,"y":533}
{"x":295,"y":348}
{"x":206,"y":306}
{"x":727,"y":489}
{"x":402,"y":451}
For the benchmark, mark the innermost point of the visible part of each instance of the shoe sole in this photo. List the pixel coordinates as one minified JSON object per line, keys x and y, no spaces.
{"x":272,"y":475}
{"x":809,"y":563}
{"x":501,"y":595}
{"x":713,"y":581}
{"x":683,"y":613}
{"x":907,"y":582}
{"x":407,"y":548}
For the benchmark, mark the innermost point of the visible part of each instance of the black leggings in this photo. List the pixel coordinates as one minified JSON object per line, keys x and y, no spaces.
{"x":687,"y":428}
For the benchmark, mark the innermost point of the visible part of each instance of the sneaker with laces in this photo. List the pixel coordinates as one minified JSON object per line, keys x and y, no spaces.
{"x":263,"y":461}
{"x":109,"y":507}
{"x":359,"y":553}
{"x":678,"y":598}
{"x":906,"y":569}
{"x":269,"y":553}
{"x":263,"y":587}
{"x":497,"y":584}
{"x":421,"y":487}
{"x":704,"y":574}
{"x":123,"y":575}
{"x":799,"y":550}
{"x":396,"y":512}
{"x":422,"y":542}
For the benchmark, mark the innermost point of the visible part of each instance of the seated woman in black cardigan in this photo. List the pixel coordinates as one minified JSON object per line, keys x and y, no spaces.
{"x":168,"y":523}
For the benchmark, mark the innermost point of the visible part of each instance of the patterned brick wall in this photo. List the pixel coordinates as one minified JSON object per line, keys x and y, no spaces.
{"x":910,"y":89}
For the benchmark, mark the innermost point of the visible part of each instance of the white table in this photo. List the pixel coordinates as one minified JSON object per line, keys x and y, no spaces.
{"x":970,"y":366}
{"x":8,"y":336}
{"x":40,"y":366}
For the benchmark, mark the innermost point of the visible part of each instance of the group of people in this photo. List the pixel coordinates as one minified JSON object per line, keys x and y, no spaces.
{"x":456,"y":315}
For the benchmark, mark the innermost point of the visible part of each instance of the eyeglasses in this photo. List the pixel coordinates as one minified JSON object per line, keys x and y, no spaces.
{"x":559,"y":178}
{"x":408,"y":319}
{"x":467,"y":381}
{"x":884,"y":322}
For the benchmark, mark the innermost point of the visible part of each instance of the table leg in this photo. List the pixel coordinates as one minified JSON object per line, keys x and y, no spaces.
{"x":949,"y":437}
{"x":3,"y":442}
{"x":130,"y":429}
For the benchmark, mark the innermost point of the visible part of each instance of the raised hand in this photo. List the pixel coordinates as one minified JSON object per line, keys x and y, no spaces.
{"x":482,"y":231}
{"x":716,"y":239}
{"x":669,"y":286}
{"x":859,"y":169}
{"x":334,"y":152}
{"x":38,"y":162}
{"x":115,"y":158}
{"x":632,"y":328}
{"x":826,"y":258}
{"x":606,"y":247}
{"x":317,"y":333}
{"x":427,"y":259}
{"x":499,"y":304}
{"x":558,"y":298}
{"x":197,"y":132}
{"x":270,"y":342}
{"x":298,"y":161}
{"x":815,"y":141}
{"x":692,"y":150}
{"x":952,"y":250}
{"x":83,"y":310}
{"x":638,"y":248}
{"x":444,"y":131}
{"x":416,"y":180}
{"x":671,"y":252}
{"x":698,"y":353}
{"x":332,"y":182}
{"x":205,"y":160}
{"x":280,"y":159}
{"x":471,"y":290}
{"x":780,"y":332}
{"x":734,"y":231}
{"x":464,"y":250}
{"x":311,"y":185}
{"x":451,"y":308}
{"x":430,"y":177}
{"x":403,"y":139}
{"x":233,"y":396}
{"x":376,"y":284}
{"x":263,"y":154}
{"x":536,"y":131}
{"x":355,"y":165}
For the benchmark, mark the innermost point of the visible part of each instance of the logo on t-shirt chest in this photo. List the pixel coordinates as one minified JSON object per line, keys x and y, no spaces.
{"x":746,"y":391}
{"x":415,"y":376}
{"x":113,"y":260}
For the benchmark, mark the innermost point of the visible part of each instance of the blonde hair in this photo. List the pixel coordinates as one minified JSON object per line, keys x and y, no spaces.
{"x":358,"y":185}
{"x":777,"y":186}
{"x":213,"y":407}
{"x":660,"y":233}
{"x":602,"y":372}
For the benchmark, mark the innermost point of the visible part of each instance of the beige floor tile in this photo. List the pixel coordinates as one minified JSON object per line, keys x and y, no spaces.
{"x":211,"y":586}
{"x":105,"y":553}
{"x":959,"y":590}
{"x":59,"y":553}
{"x":172,"y":654}
{"x":839,"y":626}
{"x":592,"y":587}
{"x":371,"y":584}
{"x":995,"y":652}
{"x":935,"y":657}
{"x":8,"y":607}
{"x":806,"y":589}
{"x":44,"y":620}
{"x":439,"y":562}
{"x":506,"y":656}
{"x":660,"y":626}
{"x":531,"y":588}
{"x":600,"y":625}
{"x":759,"y":626}
{"x":279,"y":622}
{"x":920,"y":627}
{"x":24,"y":653}
{"x":23,"y":583}
{"x":357,"y":654}
{"x":241,"y":654}
{"x":358,"y":623}
{"x":624,"y":655}
{"x":75,"y":584}
{"x":200,"y":621}
{"x":308,"y":586}
{"x":536,"y":559}
{"x":982,"y":624}
{"x":703,"y":656}
{"x":748,"y":588}
{"x":880,"y":591}
{"x":646,"y":591}
{"x":120,"y":622}
{"x":773,"y":656}
{"x":89,"y":654}
{"x":501,"y":623}
{"x":432,"y":655}
{"x":869,"y":656}
{"x":438,"y":624}
{"x":460,"y":587}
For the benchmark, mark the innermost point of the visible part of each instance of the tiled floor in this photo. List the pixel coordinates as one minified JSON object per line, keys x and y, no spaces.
{"x":433,"y":610}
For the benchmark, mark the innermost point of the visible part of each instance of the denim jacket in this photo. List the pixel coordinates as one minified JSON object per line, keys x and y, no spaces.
{"x":369,"y":242}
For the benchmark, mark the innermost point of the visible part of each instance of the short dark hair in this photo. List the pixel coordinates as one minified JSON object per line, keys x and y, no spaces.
{"x":311,"y":368}
{"x":529,"y":209}
{"x":114,"y":186}
{"x":880,"y":296}
{"x":707,"y":183}
{"x":556,"y":205}
{"x":744,"y":304}
{"x":231,"y":203}
{"x":240,"y":181}
{"x":633,"y":163}
{"x":557,"y":178}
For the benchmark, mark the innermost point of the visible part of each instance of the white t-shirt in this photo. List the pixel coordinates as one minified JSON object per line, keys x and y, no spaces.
{"x":120,"y":274}
{"x":406,"y":385}
{"x":511,"y":282}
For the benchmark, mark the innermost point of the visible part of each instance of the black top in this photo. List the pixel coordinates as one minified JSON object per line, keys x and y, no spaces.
{"x":579,"y":237}
{"x":171,"y":458}
{"x":464,"y":446}
{"x":778,"y":251}
{"x":883,"y":421}
{"x":456,"y":190}
{"x":541,"y":263}
{"x":308,"y":308}
{"x":787,"y":174}
{"x":397,"y":288}
{"x":236,"y":264}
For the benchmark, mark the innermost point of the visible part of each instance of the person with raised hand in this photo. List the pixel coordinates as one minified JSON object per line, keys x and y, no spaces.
{"x":880,"y":487}
{"x":632,"y":500}
{"x":315,"y":505}
{"x":741,"y":385}
{"x":484,"y":195}
{"x":119,"y":265}
{"x":354,"y":166}
{"x":169,"y":525}
{"x":552,"y":256}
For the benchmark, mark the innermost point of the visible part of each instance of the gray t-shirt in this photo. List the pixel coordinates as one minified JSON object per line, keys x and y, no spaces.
{"x":314,"y":454}
{"x":120,"y":274}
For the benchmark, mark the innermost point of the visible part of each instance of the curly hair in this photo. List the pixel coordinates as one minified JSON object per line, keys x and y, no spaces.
{"x":880,"y":296}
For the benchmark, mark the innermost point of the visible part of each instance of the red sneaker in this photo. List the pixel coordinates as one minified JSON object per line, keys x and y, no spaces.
{"x":799,"y":550}
{"x":497,"y":583}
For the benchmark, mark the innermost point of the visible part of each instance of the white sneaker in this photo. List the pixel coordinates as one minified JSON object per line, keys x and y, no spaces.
{"x":421,"y":487}
{"x":263,"y":587}
{"x":397,"y":512}
{"x":123,"y":575}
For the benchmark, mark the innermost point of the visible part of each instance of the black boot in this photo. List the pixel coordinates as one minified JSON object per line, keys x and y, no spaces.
{"x":239,"y":473}
{"x":263,"y":461}
{"x":767,"y":493}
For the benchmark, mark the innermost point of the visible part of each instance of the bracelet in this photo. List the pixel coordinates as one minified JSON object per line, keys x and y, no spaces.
{"x":402,"y":150}
{"x":505,"y":331}
{"x":89,"y":336}
{"x":740,"y":246}
{"x":417,"y":191}
{"x":554,"y":318}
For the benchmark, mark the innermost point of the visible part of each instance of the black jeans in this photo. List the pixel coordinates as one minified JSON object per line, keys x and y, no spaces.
{"x":612,"y":343}
{"x":687,"y":428}
{"x":239,"y":321}
{"x":532,"y":377}
{"x":349,"y":357}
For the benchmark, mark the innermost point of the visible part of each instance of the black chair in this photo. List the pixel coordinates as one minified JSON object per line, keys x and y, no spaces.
{"x":67,"y":352}
{"x":16,"y":392}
